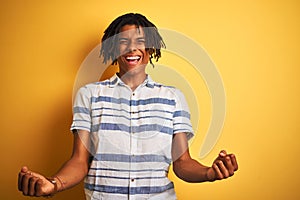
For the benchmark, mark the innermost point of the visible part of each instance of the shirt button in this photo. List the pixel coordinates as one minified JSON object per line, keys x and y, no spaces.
{"x":132,"y":180}
{"x":133,"y":94}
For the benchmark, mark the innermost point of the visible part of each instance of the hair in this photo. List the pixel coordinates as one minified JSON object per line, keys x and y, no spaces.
{"x":153,"y":40}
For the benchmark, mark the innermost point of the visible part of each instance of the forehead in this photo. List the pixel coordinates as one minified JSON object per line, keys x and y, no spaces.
{"x":130,"y":31}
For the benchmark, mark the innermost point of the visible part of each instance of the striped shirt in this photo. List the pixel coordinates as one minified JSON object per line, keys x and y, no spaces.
{"x":131,"y":134}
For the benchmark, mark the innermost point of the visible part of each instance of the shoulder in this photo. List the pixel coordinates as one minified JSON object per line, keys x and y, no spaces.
{"x":162,"y":86}
{"x":168,"y":91}
{"x":95,"y":86}
{"x":171,"y":89}
{"x":98,"y":84}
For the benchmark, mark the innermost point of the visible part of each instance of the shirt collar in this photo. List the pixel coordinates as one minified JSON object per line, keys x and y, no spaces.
{"x":115,"y":80}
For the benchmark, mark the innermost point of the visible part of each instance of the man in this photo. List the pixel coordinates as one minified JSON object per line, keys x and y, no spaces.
{"x":129,"y":129}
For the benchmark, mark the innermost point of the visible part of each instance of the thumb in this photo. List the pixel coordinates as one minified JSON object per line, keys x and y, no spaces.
{"x":36,"y":175}
{"x":27,"y":171}
{"x":222,"y":153}
{"x":24,"y":169}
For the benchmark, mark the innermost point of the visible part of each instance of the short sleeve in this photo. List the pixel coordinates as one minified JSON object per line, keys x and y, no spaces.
{"x":82,"y":110}
{"x":181,"y":116}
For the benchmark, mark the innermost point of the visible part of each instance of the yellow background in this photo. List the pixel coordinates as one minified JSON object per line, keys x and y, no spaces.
{"x":255,"y":45}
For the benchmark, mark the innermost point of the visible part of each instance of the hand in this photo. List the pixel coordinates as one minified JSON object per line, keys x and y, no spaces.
{"x":34,"y":184}
{"x":223,"y":167}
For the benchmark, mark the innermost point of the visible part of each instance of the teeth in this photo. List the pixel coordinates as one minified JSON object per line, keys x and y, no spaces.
{"x":133,"y":57}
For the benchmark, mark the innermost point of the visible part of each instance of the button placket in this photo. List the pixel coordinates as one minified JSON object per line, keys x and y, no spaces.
{"x":132,"y":113}
{"x":133,"y":141}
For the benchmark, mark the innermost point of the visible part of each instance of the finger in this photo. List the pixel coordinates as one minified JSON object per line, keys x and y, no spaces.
{"x":230,"y":166}
{"x":218,"y":173}
{"x":31,"y":186}
{"x":20,"y":177}
{"x":25,"y":180}
{"x":223,"y":169}
{"x":38,"y":188}
{"x":234,"y":162}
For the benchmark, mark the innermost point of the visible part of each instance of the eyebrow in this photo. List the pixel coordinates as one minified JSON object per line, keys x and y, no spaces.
{"x":125,"y":38}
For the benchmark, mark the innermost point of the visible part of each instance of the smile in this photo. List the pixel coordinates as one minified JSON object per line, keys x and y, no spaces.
{"x":132,"y":58}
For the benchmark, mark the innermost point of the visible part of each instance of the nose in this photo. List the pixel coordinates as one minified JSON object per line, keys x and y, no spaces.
{"x":131,"y":47}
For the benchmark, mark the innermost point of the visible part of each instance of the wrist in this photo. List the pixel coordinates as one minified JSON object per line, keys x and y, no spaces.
{"x":54,"y":182}
{"x":210,"y":174}
{"x":60,"y":184}
{"x":57,"y":184}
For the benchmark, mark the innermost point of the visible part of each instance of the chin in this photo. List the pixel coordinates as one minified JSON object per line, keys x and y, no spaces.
{"x":133,"y":70}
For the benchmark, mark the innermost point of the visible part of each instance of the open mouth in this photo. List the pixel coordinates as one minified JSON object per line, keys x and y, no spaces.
{"x":133,"y":59}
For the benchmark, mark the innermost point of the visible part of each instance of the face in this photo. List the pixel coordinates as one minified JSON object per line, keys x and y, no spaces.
{"x":133,"y":55}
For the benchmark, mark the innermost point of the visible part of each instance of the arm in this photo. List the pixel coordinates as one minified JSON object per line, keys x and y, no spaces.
{"x":191,"y":170}
{"x":70,"y":174}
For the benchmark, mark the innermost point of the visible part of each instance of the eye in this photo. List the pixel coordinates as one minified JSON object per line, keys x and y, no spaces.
{"x":123,"y":41}
{"x":141,"y":41}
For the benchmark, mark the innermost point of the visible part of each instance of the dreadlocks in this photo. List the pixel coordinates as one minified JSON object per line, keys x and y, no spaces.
{"x":154,"y":42}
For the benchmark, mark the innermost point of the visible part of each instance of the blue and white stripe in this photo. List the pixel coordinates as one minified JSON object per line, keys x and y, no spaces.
{"x":132,"y":135}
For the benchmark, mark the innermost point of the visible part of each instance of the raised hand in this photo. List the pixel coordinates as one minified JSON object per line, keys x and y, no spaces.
{"x":223,"y":167}
{"x":34,"y":184}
